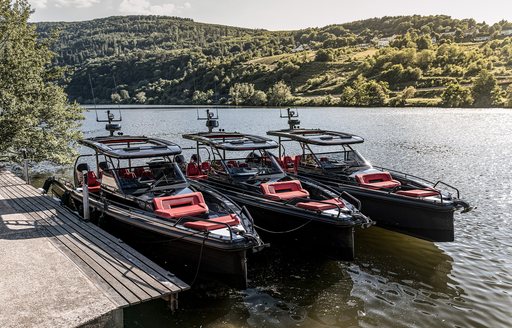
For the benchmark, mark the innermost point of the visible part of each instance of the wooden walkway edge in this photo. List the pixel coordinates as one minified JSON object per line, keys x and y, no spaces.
{"x":115,"y":274}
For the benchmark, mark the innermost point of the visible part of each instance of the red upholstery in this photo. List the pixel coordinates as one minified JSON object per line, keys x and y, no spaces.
{"x":418,"y":193}
{"x":205,"y":166}
{"x":213,"y":224}
{"x":317,"y":206}
{"x":284,"y":190}
{"x":377,"y":181}
{"x":127,"y":174}
{"x":296,"y":162}
{"x":194,"y":173}
{"x":173,"y":207}
{"x":288,"y":164}
{"x":233,"y":163}
{"x":93,"y":185}
{"x":141,"y":172}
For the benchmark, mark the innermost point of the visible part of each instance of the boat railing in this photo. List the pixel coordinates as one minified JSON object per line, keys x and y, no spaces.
{"x":447,"y":185}
{"x":358,"y":202}
{"x":433,"y":184}
{"x":406,"y":175}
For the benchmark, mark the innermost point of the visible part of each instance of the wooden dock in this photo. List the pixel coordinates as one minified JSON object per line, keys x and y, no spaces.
{"x":59,"y":271}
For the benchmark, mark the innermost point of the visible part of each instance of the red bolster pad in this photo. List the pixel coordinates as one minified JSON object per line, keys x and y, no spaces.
{"x":320,"y":207}
{"x":213,"y":224}
{"x":198,"y":177}
{"x":173,"y":207}
{"x":284,"y":190}
{"x":381,"y":180}
{"x":94,"y":188}
{"x":418,"y":193}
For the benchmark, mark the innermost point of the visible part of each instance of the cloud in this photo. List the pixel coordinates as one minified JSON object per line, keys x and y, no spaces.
{"x":75,"y":3}
{"x":38,"y":3}
{"x":145,"y":7}
{"x":63,"y":3}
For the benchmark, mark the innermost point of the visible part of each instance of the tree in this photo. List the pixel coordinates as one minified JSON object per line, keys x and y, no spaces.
{"x":116,"y":98}
{"x":240,"y":93}
{"x":456,"y":95}
{"x":279,"y":94}
{"x":202,"y":98}
{"x":324,"y":55}
{"x":259,"y":98}
{"x":140,"y":97}
{"x":364,"y":92}
{"x":485,"y":91}
{"x":509,"y":96}
{"x":401,"y":98}
{"x":34,"y":112}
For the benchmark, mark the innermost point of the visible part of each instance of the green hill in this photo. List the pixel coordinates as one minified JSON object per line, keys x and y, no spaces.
{"x":171,"y":60}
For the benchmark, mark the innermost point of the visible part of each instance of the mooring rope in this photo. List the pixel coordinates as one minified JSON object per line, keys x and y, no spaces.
{"x":283,"y":232}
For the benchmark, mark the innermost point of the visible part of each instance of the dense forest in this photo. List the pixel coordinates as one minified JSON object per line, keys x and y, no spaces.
{"x":395,"y":61}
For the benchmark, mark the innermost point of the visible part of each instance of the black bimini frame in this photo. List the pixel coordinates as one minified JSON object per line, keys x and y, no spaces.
{"x":131,"y":147}
{"x":315,"y":137}
{"x":232,"y":141}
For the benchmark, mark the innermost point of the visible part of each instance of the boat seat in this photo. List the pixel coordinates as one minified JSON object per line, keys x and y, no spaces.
{"x":142,"y":172}
{"x":173,"y":207}
{"x":93,"y":184}
{"x":284,"y":190}
{"x":127,"y":174}
{"x":194,"y":173}
{"x":321,"y":206}
{"x":233,"y":163}
{"x":380,"y":180}
{"x":205,"y":167}
{"x":418,"y":193}
{"x":214,"y":223}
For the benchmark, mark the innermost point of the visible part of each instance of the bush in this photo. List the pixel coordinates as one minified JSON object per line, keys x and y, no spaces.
{"x":456,"y":95}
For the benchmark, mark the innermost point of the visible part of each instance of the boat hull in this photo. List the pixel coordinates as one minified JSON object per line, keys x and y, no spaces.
{"x":410,"y":216}
{"x":278,"y":223}
{"x":187,"y":257}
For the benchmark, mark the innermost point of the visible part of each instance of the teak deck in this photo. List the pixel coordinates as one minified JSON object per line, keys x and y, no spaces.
{"x":109,"y":273}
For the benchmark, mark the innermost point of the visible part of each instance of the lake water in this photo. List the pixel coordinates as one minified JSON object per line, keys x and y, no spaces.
{"x":395,"y":281}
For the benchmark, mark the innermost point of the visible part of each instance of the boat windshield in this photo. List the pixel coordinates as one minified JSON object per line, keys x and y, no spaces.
{"x":333,"y":157}
{"x":142,"y":175}
{"x":247,"y":164}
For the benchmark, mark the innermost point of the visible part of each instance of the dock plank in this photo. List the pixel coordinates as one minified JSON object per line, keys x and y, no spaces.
{"x":111,"y":261}
{"x":150,"y":271}
{"x":125,"y":276}
{"x":134,"y":257}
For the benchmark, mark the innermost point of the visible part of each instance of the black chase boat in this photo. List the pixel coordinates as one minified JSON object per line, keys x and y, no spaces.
{"x":136,"y":185}
{"x":395,"y":200}
{"x":241,"y":167}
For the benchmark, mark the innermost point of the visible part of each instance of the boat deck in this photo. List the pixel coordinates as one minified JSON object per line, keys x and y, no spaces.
{"x":59,"y":271}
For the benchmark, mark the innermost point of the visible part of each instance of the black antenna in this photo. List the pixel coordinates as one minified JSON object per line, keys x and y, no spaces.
{"x":111,"y":127}
{"x":292,"y":116}
{"x":212,"y":119}
{"x":93,"y":97}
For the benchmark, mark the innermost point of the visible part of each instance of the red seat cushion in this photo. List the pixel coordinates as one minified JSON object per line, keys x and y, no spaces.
{"x":93,"y":185}
{"x":380,"y":180}
{"x":193,"y":170}
{"x":205,"y":166}
{"x":284,"y":190}
{"x":127,"y":174}
{"x":323,"y":206}
{"x":418,"y":193}
{"x":213,"y":224}
{"x":173,"y":207}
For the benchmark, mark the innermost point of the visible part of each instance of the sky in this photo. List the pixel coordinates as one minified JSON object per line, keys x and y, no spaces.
{"x":270,"y":14}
